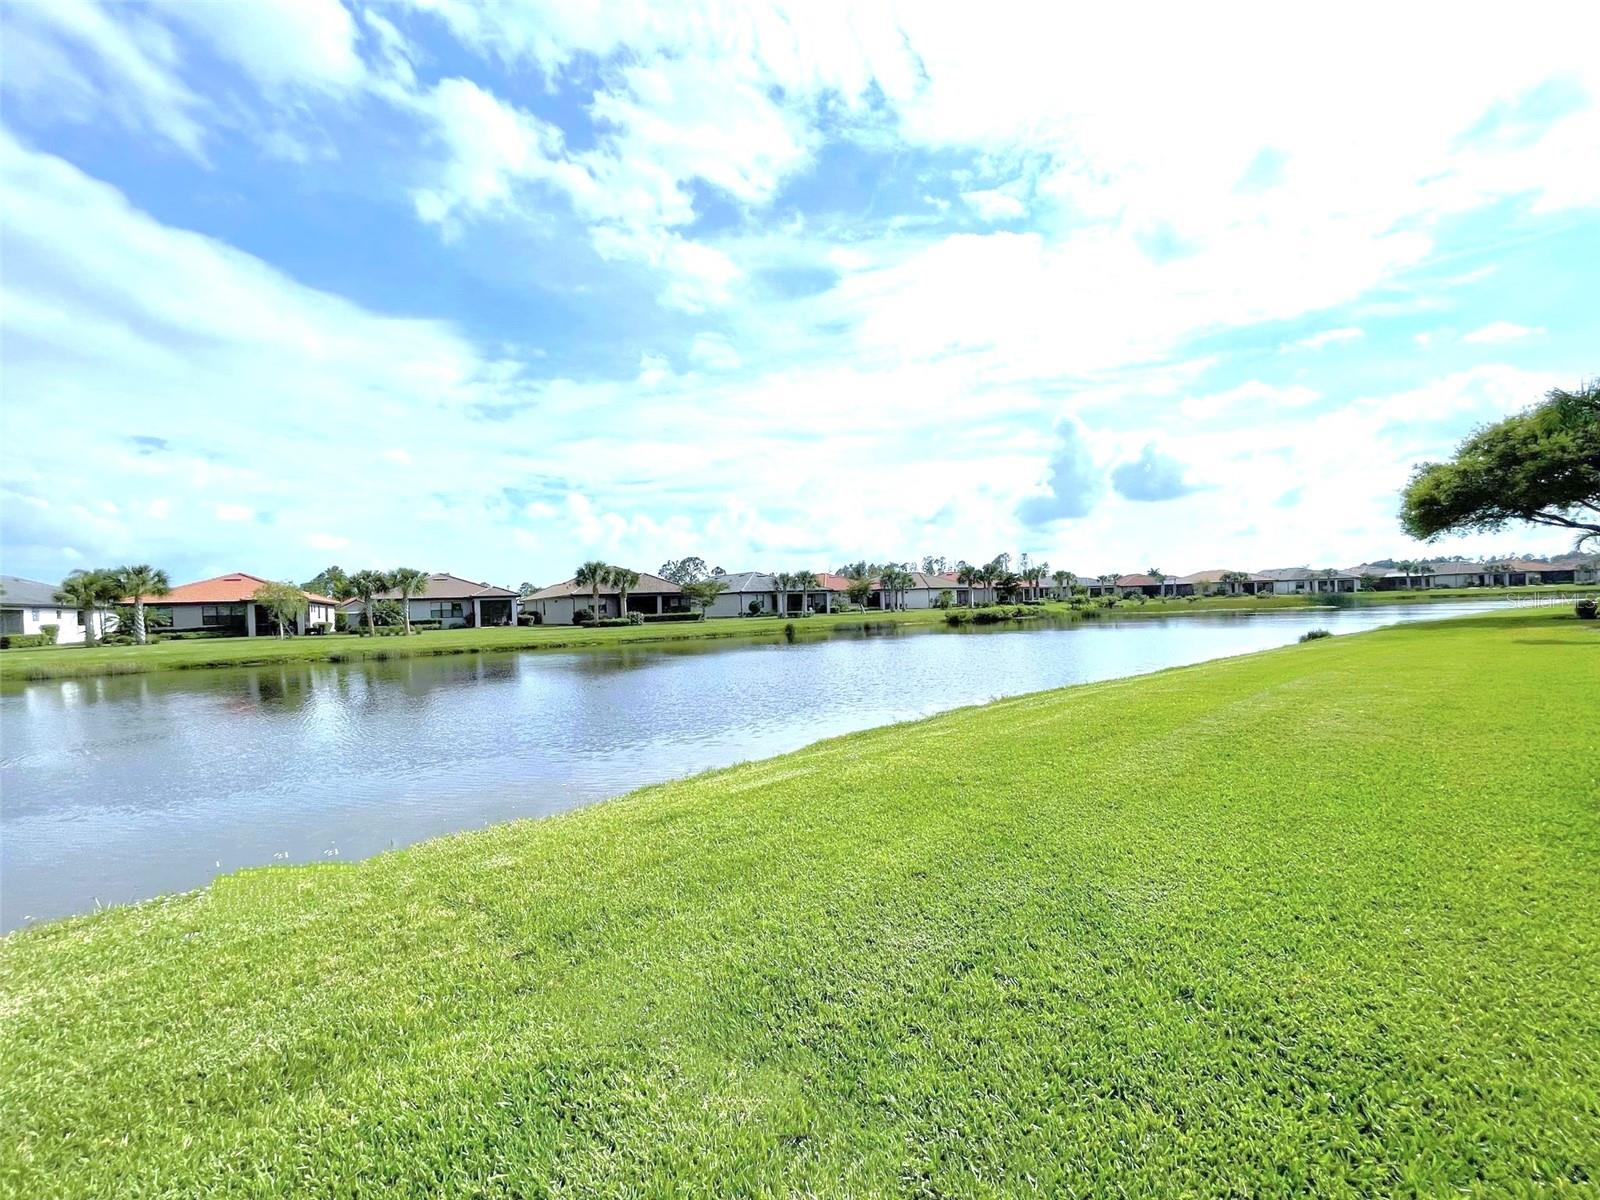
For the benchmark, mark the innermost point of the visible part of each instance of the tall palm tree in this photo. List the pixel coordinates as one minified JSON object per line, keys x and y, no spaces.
{"x":626,"y":581}
{"x":365,"y":586}
{"x":138,"y":584}
{"x":1425,"y":572}
{"x":1063,"y":580}
{"x":803,"y":582}
{"x":408,"y":582}
{"x":593,"y":575}
{"x":1161,"y":580}
{"x":90,"y":592}
{"x":783,"y":584}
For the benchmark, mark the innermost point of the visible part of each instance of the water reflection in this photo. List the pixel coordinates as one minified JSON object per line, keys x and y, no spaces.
{"x":129,"y":786}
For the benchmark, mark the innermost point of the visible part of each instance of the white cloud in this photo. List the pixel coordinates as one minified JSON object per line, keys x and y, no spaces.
{"x":1256,"y":400}
{"x":80,"y":61}
{"x":996,"y":204}
{"x":715,"y":352}
{"x":397,"y":455}
{"x":233,"y":512}
{"x":327,"y":541}
{"x":308,"y":43}
{"x":1497,"y":332}
{"x":1328,"y":337}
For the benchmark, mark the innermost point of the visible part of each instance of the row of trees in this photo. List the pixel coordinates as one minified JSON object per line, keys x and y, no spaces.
{"x":407,"y":583}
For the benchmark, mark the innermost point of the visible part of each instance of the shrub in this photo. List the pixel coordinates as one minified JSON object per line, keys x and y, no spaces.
{"x":50,"y":632}
{"x":583,"y":616}
{"x":788,"y":632}
{"x":1312,"y":635}
{"x":958,"y":618}
{"x":1585,"y":609}
{"x":756,"y":608}
{"x":24,"y":641}
{"x":1337,"y":600}
{"x":387,"y":612}
{"x":653,"y":618}
{"x":532,"y":618}
{"x":194,"y":635}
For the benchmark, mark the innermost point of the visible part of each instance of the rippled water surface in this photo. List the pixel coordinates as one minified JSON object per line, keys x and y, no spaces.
{"x":125,"y":787}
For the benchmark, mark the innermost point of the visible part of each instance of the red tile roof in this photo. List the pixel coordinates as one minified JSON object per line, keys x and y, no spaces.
{"x":223,"y":589}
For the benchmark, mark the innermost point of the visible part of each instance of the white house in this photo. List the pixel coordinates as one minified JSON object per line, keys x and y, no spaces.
{"x":226,"y":605}
{"x":1293,"y":581}
{"x":27,"y":606}
{"x":452,"y":601}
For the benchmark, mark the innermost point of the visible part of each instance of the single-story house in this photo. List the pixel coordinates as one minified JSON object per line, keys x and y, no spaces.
{"x":745,"y":588}
{"x":1144,"y":584}
{"x":1294,"y":581}
{"x":452,"y":601}
{"x":924,"y":591}
{"x":1222,"y":582}
{"x":1574,"y":568}
{"x":226,"y":604}
{"x":27,"y":606}
{"x":651,"y":596}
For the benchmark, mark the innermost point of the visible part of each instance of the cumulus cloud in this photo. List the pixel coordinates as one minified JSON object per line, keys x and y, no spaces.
{"x":1152,"y":476}
{"x":1074,"y":484}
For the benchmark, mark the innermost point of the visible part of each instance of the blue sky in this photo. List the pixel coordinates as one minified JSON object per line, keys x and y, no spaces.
{"x":496,"y":289}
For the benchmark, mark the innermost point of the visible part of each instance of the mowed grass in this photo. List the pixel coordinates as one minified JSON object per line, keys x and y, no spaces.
{"x":70,"y":662}
{"x":1323,"y":920}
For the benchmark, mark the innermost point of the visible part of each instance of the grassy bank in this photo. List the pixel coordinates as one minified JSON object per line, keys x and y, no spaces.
{"x":1316,"y":920}
{"x":69,"y":662}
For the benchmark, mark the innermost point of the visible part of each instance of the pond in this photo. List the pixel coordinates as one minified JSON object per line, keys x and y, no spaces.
{"x":124,"y":787}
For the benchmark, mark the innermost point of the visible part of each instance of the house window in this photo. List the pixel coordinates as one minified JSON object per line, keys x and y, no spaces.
{"x":443,"y":611}
{"x":221,"y":614}
{"x":35,"y":614}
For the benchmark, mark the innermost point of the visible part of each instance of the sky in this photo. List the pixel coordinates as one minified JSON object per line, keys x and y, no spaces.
{"x":495,"y":289}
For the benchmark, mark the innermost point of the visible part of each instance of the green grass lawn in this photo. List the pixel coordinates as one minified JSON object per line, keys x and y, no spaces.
{"x":66,"y":662}
{"x":1323,"y":920}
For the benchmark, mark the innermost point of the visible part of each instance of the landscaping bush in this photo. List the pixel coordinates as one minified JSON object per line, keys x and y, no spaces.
{"x":1312,"y":635}
{"x":50,"y":633}
{"x":583,"y":616}
{"x":1585,"y":609}
{"x":617,"y":622}
{"x":958,"y":618}
{"x":24,"y":641}
{"x":653,"y":618}
{"x":530,"y":619}
{"x":193,"y":635}
{"x":1337,"y":600}
{"x":387,"y":612}
{"x":430,"y":623}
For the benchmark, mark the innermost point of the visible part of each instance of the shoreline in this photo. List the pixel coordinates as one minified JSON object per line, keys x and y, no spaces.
{"x":18,"y":667}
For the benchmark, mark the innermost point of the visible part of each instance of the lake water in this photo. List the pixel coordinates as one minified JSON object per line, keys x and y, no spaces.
{"x":125,"y":787}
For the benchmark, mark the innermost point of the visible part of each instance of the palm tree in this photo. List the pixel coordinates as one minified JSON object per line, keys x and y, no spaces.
{"x":1425,"y":570}
{"x":1063,"y":581}
{"x":1161,"y":580}
{"x":139,"y":583}
{"x":365,"y":586}
{"x":593,"y":575}
{"x":408,"y":582}
{"x":803,"y":582}
{"x":89,"y":592}
{"x":626,"y":581}
{"x":968,"y":575}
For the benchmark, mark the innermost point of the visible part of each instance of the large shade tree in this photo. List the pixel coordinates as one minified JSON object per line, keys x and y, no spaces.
{"x":141,"y":584}
{"x":1541,"y":466}
{"x":90,"y":592}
